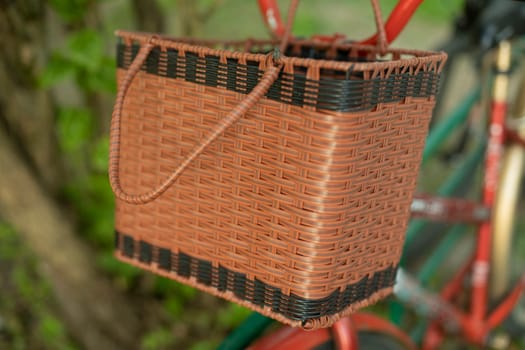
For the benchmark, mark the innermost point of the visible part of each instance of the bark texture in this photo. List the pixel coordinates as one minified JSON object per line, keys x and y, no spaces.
{"x":96,"y":314}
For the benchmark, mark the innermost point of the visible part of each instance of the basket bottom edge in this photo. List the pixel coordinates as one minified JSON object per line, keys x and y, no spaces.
{"x":264,"y":299}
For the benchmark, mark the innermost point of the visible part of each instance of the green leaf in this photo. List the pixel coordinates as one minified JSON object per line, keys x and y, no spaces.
{"x":166,"y":5}
{"x":53,"y":332}
{"x":158,"y":339}
{"x":205,"y":345}
{"x":100,"y":155}
{"x":26,"y":285}
{"x":6,"y":231}
{"x":94,"y":202}
{"x":102,"y":79}
{"x":70,"y":10}
{"x":74,"y":128}
{"x":9,"y":249}
{"x":174,"y":306}
{"x":232,"y":315}
{"x":57,"y":69}
{"x":164,"y":286}
{"x":50,"y":328}
{"x":185,"y":291}
{"x":101,"y":231}
{"x":117,"y":268}
{"x":85,"y":48}
{"x":99,"y":188}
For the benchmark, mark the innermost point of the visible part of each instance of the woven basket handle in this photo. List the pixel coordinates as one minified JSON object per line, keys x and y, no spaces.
{"x":269,"y":77}
{"x":382,"y":41}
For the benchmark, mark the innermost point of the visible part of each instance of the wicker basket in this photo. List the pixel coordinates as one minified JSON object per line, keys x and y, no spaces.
{"x":283,"y":185}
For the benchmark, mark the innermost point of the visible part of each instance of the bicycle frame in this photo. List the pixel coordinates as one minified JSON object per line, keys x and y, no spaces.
{"x":345,"y":330}
{"x":476,"y":323}
{"x":395,"y":23}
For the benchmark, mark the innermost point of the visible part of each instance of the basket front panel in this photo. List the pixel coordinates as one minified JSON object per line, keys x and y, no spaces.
{"x":304,"y":200}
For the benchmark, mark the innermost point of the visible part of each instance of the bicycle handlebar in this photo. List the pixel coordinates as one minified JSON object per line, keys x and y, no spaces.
{"x":397,"y":20}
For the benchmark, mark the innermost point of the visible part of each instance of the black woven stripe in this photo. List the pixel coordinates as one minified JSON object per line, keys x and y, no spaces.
{"x":120,"y":56}
{"x":145,"y":252}
{"x":346,"y":91}
{"x":152,"y":62}
{"x":128,"y":246}
{"x":254,"y":291}
{"x":191,"y":60}
{"x":164,"y":259}
{"x":117,"y":239}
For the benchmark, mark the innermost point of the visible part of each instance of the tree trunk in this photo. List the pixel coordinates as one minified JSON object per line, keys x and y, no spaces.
{"x":96,"y":315}
{"x":27,"y":113}
{"x":149,"y":16}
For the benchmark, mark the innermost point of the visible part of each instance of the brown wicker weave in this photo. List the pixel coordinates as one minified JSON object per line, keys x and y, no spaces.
{"x":281,"y":183}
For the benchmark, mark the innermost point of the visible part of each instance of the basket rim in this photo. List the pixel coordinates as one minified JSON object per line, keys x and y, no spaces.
{"x":420,"y":60}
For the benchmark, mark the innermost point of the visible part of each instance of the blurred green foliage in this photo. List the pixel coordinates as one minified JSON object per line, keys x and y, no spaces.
{"x":27,"y":318}
{"x":437,"y":11}
{"x":82,"y":59}
{"x":158,"y":339}
{"x":70,"y":10}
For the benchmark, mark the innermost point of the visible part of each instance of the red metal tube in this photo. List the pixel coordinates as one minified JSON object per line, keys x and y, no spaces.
{"x":433,"y":338}
{"x":288,"y":338}
{"x":481,"y":265}
{"x":345,"y":335}
{"x":272,"y":16}
{"x":397,"y":20}
{"x":364,"y":321}
{"x":505,"y":307}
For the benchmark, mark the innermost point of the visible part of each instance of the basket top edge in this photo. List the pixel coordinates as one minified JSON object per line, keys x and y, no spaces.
{"x":418,"y":57}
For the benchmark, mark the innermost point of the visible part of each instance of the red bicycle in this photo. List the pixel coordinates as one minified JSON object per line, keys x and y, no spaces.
{"x":482,"y":293}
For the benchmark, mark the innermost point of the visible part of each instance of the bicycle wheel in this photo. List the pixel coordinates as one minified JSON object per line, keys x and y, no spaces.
{"x":505,"y":216}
